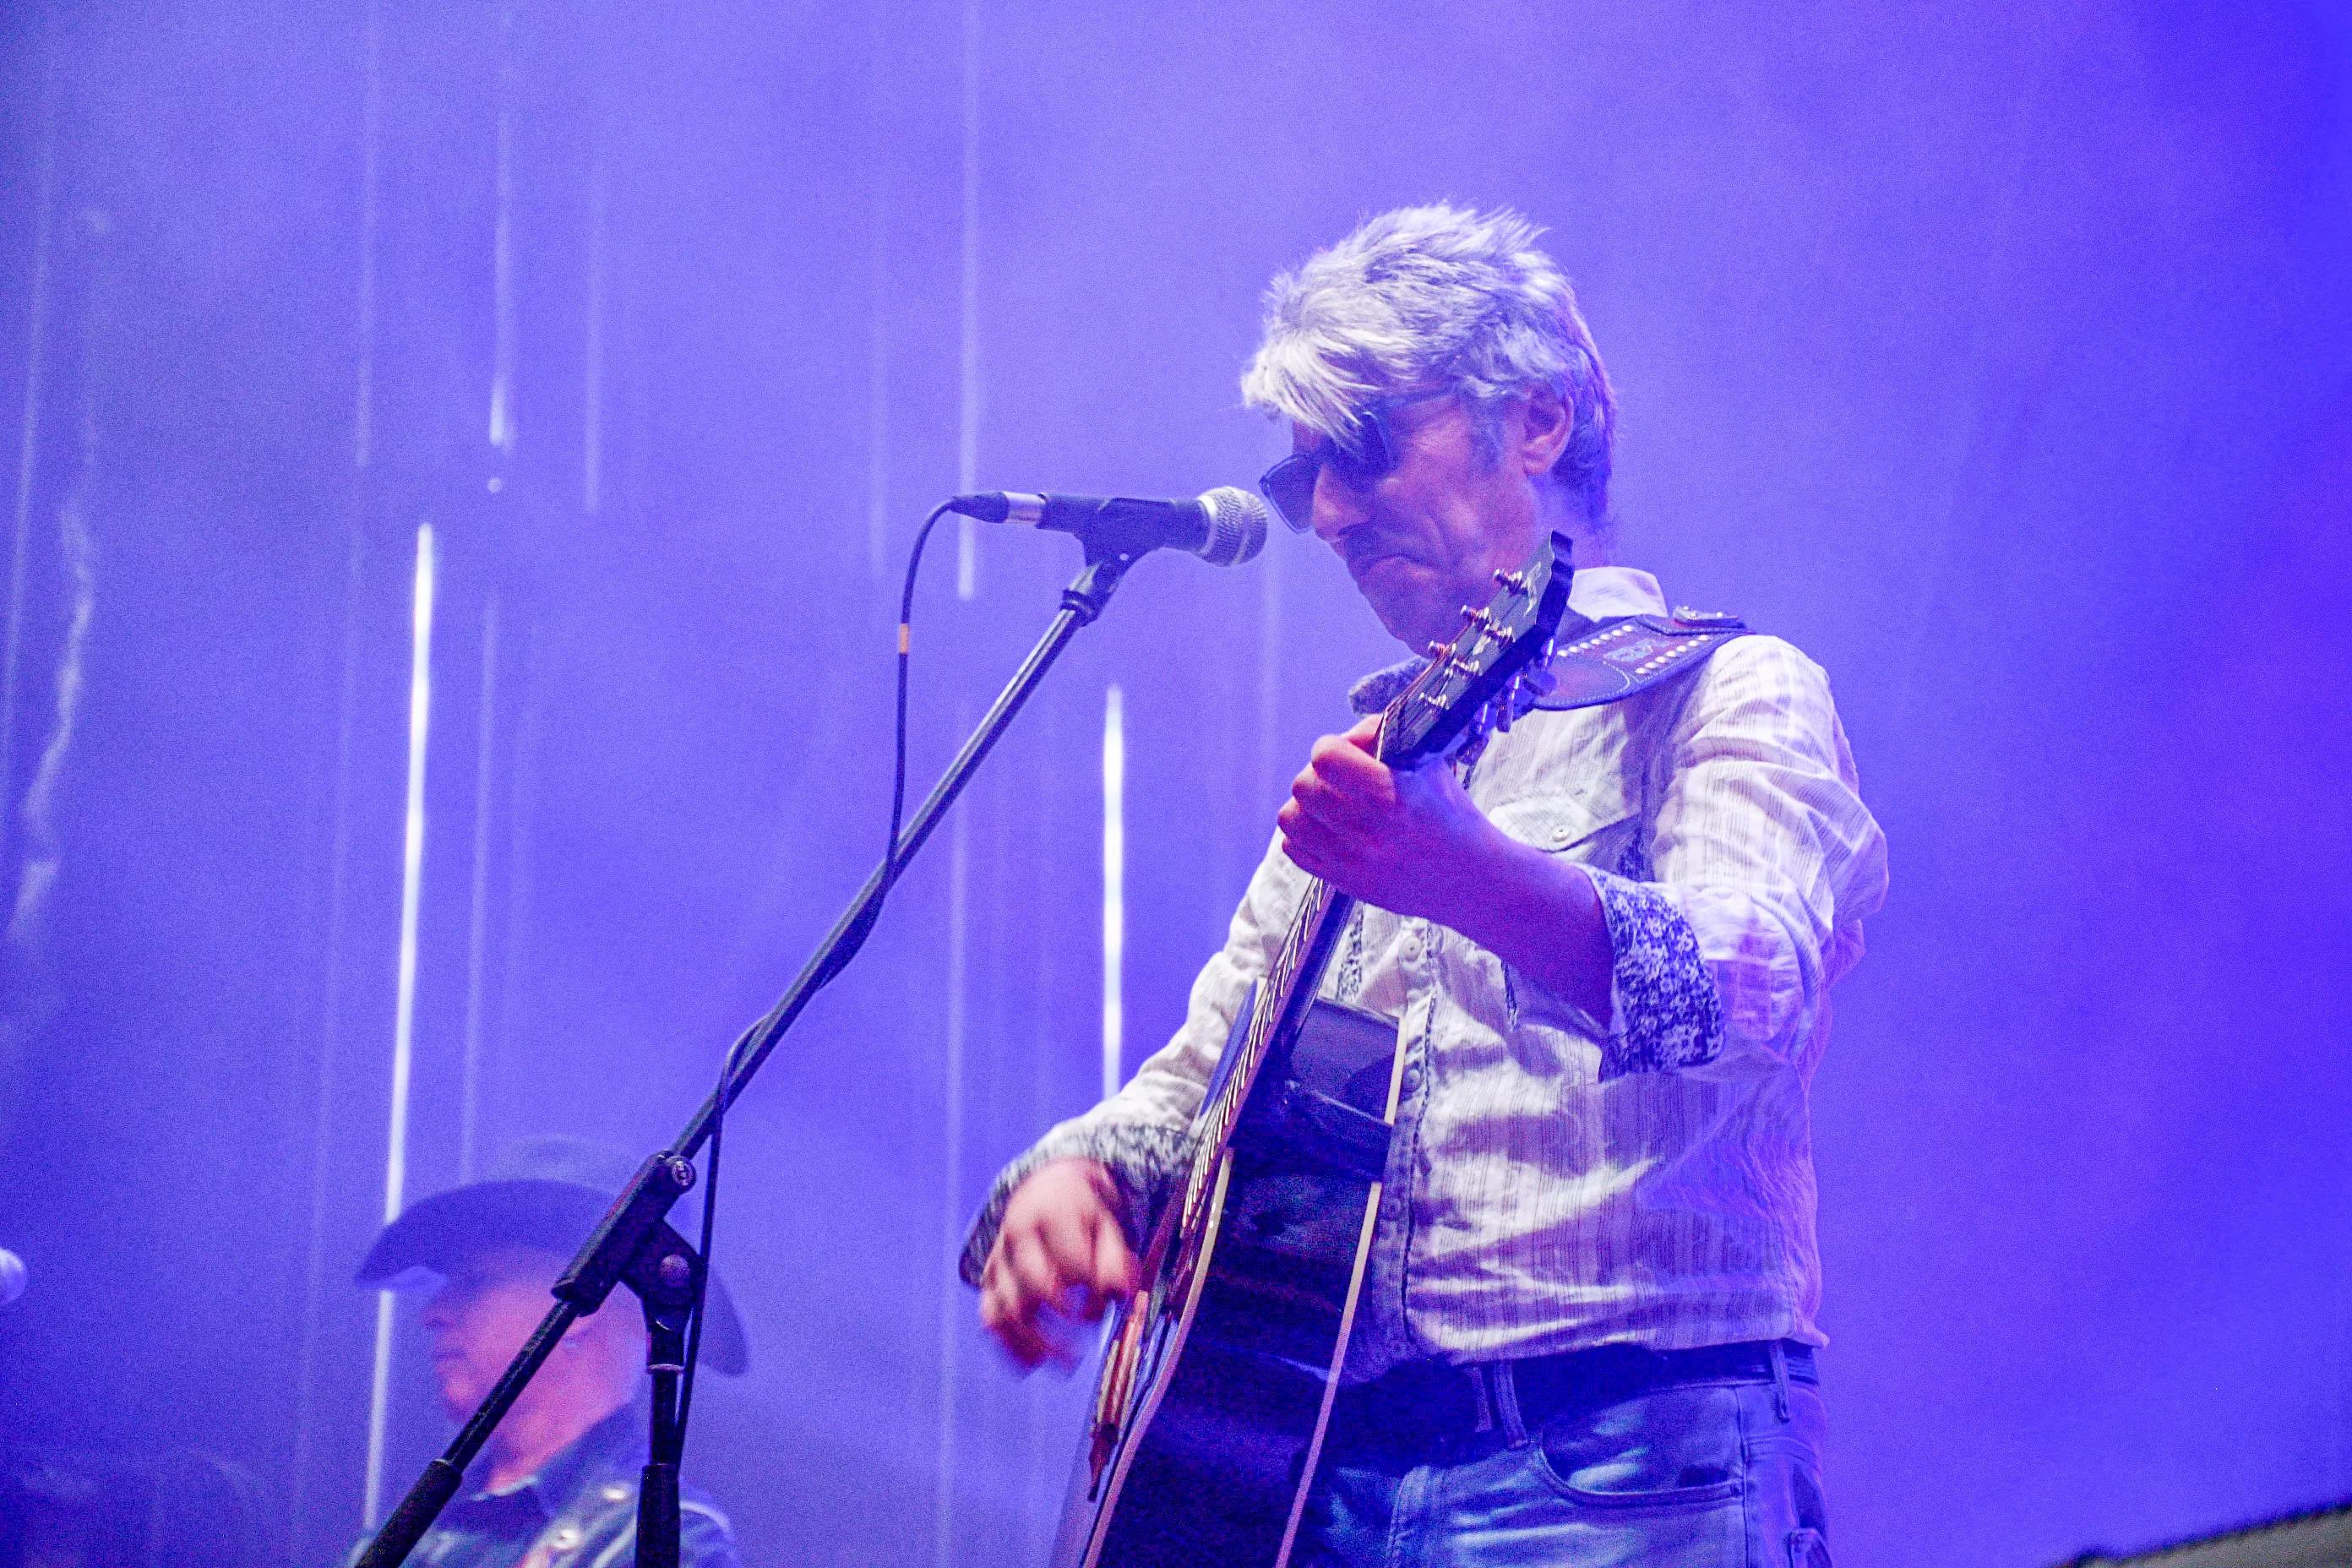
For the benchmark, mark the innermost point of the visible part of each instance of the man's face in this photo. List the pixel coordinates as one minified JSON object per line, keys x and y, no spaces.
{"x":1425,"y":540}
{"x":491,"y":1300}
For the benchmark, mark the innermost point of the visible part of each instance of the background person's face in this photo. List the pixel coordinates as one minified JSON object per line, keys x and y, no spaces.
{"x":490,"y":1302}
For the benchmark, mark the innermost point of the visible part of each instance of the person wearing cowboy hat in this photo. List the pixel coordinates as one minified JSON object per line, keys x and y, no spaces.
{"x":556,"y":1485}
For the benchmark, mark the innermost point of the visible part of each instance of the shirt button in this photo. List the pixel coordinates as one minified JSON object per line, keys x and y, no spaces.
{"x":566,"y":1540}
{"x":615,"y":1492}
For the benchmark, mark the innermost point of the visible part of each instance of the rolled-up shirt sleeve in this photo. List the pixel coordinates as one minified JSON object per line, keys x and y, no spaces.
{"x":1761,"y":862}
{"x":1663,"y":1009}
{"x":1141,"y":1134}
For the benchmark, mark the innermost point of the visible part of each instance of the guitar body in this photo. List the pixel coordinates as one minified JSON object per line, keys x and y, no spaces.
{"x":1208,"y":1476}
{"x":1218,"y":1378}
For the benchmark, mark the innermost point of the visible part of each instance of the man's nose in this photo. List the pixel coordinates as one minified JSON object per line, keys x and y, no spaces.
{"x":1338,"y":506}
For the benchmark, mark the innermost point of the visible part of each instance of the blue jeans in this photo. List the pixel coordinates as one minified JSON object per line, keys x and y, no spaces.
{"x":1703,"y":1474}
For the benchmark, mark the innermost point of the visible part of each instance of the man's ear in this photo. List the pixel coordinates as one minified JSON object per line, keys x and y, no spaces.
{"x":1543,"y":428}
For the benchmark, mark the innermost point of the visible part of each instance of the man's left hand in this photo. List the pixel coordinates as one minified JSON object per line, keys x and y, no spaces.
{"x":1408,"y":840}
{"x":1411,"y":842}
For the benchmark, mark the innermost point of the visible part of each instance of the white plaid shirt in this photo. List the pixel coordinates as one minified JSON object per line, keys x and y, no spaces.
{"x":1555,"y":1182}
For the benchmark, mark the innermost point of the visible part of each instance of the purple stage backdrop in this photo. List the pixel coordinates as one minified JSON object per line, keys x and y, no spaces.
{"x":460,"y":455}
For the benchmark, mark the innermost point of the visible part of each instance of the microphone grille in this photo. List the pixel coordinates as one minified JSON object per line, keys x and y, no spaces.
{"x":1237,"y":522}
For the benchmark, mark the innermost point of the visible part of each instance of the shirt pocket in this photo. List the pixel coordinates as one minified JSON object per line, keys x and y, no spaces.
{"x":1592,"y":830}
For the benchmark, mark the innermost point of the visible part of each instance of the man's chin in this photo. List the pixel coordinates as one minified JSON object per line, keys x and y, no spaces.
{"x":459,"y":1397}
{"x":1410,"y":621}
{"x":1390,"y":587}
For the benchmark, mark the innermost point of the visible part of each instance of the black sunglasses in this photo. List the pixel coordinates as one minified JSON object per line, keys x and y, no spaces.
{"x":1365,"y":453}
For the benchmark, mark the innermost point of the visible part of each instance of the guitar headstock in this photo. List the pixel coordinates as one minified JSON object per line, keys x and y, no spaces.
{"x":1493,"y":649}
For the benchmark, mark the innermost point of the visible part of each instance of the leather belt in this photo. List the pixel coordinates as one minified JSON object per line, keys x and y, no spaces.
{"x":1421,"y":1406}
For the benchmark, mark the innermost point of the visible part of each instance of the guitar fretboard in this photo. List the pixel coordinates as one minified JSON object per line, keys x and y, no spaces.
{"x":1297,"y":970}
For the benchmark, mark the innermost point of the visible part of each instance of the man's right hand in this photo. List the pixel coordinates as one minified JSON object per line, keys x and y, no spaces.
{"x":1060,"y":1257}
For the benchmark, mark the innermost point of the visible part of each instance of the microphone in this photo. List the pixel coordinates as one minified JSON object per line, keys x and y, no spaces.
{"x":1223,"y":528}
{"x":12,"y":1276}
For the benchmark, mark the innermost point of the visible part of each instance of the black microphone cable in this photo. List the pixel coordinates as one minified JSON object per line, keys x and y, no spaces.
{"x":851,"y":940}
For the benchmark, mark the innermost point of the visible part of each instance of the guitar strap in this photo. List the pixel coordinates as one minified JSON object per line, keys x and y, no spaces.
{"x":1624,"y":657}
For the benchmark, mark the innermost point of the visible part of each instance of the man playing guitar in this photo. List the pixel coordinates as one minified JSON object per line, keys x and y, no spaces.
{"x":1586,"y":1326}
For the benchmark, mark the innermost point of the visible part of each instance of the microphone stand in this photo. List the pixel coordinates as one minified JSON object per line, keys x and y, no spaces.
{"x":634,"y":1244}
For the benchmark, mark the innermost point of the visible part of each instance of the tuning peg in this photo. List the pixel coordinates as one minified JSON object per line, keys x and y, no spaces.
{"x":1435,"y":650}
{"x":1512,"y":582}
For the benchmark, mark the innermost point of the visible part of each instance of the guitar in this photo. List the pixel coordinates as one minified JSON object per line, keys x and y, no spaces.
{"x":1218,"y":1376}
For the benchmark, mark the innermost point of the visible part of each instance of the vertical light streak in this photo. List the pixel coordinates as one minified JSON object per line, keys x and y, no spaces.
{"x":371,"y":159}
{"x":477,"y":928}
{"x":521,"y":792}
{"x":403,"y":1016}
{"x":958,"y":872}
{"x":502,"y":311}
{"x":28,"y":436}
{"x":1114,"y":886}
{"x":877,"y":365}
{"x":331,"y":1036}
{"x":592,"y":412}
{"x":968,"y":420}
{"x":951,"y":1210}
{"x":1045,"y":1435}
{"x":300,"y":1513}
